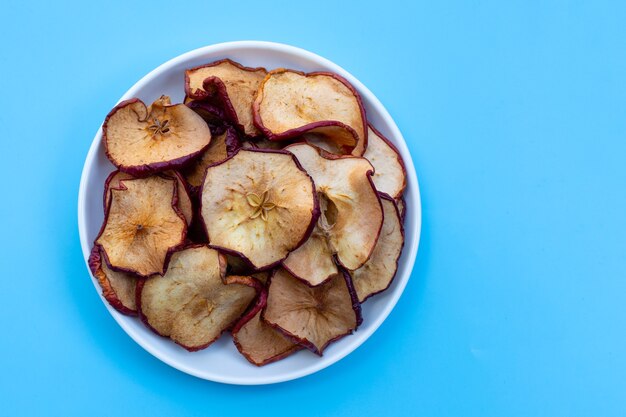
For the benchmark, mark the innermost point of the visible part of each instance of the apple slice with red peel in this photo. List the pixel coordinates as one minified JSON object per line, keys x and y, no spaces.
{"x":257,"y":341}
{"x":221,"y":147}
{"x":351,"y":213}
{"x":312,"y":316}
{"x":142,"y":225}
{"x":378,"y":272}
{"x":313,"y":261}
{"x":290,"y":103}
{"x":211,"y":113}
{"x":389,"y":175}
{"x":142,"y":140}
{"x":259,"y":205}
{"x":184,"y":200}
{"x":118,"y":288}
{"x":232,"y":84}
{"x":401,"y":204}
{"x":193,"y":303}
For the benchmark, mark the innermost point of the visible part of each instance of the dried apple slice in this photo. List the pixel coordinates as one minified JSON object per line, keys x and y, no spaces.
{"x":290,"y":103}
{"x":142,"y":226}
{"x":257,"y":341}
{"x":258,"y":204}
{"x":351,"y":214}
{"x":142,"y":140}
{"x":221,"y":147}
{"x":401,"y":207}
{"x":232,"y":84}
{"x":378,"y":272}
{"x":118,"y":288}
{"x":389,"y":175}
{"x":193,"y":304}
{"x":313,"y":261}
{"x":184,"y":200}
{"x":312,"y":316}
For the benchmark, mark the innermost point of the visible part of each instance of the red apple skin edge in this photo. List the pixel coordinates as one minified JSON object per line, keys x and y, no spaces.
{"x":95,"y":263}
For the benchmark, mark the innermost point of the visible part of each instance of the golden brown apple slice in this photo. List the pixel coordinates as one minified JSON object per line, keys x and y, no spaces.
{"x":118,"y":288}
{"x":378,"y":272}
{"x":257,"y":341}
{"x":221,"y":147}
{"x":290,"y":103}
{"x":141,"y":140}
{"x":259,"y":205}
{"x":142,"y":225}
{"x":389,"y":173}
{"x":184,"y":200}
{"x":312,"y":316}
{"x":351,"y":215}
{"x":232,"y":84}
{"x":193,"y":304}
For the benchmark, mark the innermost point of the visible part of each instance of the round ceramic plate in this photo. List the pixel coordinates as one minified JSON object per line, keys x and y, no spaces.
{"x":221,"y":362}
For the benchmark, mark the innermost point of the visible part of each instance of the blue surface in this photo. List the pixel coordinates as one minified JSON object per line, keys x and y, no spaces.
{"x":515,"y":116}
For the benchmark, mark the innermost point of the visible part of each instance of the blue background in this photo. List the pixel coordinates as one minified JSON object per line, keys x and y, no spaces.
{"x":515,"y":117}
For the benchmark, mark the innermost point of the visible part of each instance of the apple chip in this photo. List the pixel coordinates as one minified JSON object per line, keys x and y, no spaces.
{"x":257,"y":341}
{"x":351,"y":215}
{"x":313,"y":261}
{"x":401,"y":207}
{"x":312,"y":316}
{"x":378,"y":272}
{"x":389,"y":175}
{"x":258,"y":204}
{"x":184,"y":200}
{"x":141,"y":140}
{"x":142,"y":225}
{"x":221,"y":147}
{"x":290,"y":103}
{"x":232,"y":84}
{"x":192,"y":304}
{"x":118,"y":288}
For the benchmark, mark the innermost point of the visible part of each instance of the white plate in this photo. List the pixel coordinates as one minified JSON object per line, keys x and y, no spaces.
{"x":221,"y":362}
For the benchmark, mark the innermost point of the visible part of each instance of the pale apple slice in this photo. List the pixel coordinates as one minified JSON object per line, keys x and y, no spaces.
{"x":118,"y":288}
{"x":312,"y":316}
{"x":389,"y":173}
{"x":378,"y":272}
{"x":351,"y":215}
{"x":290,"y":103}
{"x":142,"y":140}
{"x":259,"y":205}
{"x":313,"y":261}
{"x":184,"y":200}
{"x":221,"y":147}
{"x":233,"y":85}
{"x":257,"y":341}
{"x":193,"y":304}
{"x":142,"y":225}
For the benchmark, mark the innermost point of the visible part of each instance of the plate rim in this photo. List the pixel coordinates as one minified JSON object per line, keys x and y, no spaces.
{"x":415,"y":204}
